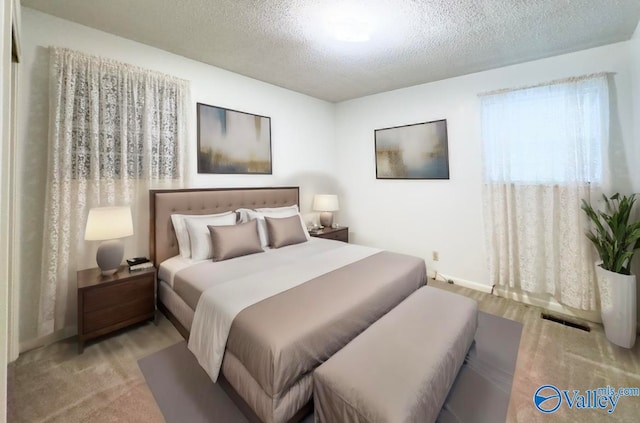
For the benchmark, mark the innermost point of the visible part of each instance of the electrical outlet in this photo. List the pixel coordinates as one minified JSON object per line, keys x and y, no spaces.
{"x":436,"y":256}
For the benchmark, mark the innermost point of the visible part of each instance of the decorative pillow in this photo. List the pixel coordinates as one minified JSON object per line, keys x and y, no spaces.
{"x":234,"y":241}
{"x":262,"y":228}
{"x":284,"y":231}
{"x":199,"y":236}
{"x":180,"y":228}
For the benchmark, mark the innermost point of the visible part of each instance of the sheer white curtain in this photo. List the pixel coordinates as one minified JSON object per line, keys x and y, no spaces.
{"x":114,"y":131}
{"x":543,"y":153}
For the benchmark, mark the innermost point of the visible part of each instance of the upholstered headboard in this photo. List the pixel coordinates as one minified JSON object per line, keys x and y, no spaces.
{"x":163,"y":203}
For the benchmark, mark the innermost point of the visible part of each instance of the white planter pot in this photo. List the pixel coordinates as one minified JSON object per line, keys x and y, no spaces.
{"x":618,"y":304}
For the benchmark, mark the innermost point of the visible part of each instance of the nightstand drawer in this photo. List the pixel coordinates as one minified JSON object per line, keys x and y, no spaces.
{"x":338,"y":236}
{"x":119,"y":293}
{"x":105,"y":317}
{"x":110,"y":302}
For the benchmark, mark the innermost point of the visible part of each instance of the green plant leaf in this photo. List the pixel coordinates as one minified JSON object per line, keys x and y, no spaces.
{"x":614,"y":237}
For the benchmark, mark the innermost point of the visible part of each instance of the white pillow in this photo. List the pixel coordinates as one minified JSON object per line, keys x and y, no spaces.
{"x":243,"y":215}
{"x":182,"y":234}
{"x":278,"y":209}
{"x":273,"y":212}
{"x":199,"y":235}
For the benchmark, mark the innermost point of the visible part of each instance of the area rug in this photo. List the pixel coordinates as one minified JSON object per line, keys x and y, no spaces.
{"x":479,"y":394}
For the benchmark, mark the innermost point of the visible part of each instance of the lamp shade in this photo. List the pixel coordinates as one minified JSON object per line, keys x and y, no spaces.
{"x":325,"y":202}
{"x":108,"y":223}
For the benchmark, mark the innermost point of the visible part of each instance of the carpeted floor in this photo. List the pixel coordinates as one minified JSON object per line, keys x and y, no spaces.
{"x":104,"y":384}
{"x":55,"y":384}
{"x":480,"y":394}
{"x":568,"y":358}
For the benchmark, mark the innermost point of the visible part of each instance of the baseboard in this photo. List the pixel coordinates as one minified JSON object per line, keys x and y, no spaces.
{"x":462,"y":282}
{"x":32,"y":344}
{"x":548,"y":303}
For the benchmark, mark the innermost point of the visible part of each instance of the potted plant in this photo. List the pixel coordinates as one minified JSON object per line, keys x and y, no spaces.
{"x":616,"y":239}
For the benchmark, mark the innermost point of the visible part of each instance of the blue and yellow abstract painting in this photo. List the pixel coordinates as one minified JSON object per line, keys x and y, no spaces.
{"x":233,"y":142}
{"x":418,"y":151}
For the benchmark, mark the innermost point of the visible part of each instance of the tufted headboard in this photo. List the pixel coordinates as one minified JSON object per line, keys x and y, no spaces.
{"x":163,"y":203}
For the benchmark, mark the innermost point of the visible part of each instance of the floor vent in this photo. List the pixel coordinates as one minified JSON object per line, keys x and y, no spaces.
{"x":565,"y":322}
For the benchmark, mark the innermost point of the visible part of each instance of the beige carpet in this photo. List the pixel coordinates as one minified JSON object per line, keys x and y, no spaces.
{"x":568,"y":358}
{"x":104,"y":384}
{"x":55,"y":384}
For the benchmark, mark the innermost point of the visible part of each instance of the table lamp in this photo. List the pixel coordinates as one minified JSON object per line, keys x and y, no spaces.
{"x":108,"y":224}
{"x":326,"y":204}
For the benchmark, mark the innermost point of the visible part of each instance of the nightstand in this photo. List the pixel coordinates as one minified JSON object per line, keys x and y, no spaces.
{"x":109,"y":303}
{"x":338,"y":234}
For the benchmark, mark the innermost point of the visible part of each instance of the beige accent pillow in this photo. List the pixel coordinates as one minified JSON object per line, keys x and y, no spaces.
{"x":199,"y":237}
{"x":284,"y":231}
{"x":235,"y":240}
{"x":262,"y":226}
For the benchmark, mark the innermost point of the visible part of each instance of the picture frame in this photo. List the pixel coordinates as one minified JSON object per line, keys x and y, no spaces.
{"x":415,"y":151}
{"x":232,"y":141}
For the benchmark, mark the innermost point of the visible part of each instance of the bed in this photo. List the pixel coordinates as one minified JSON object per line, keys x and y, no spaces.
{"x":332,"y":292}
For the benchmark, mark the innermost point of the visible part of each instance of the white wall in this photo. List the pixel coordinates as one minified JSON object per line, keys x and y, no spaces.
{"x":9,"y":21}
{"x":302,"y":131}
{"x":420,"y":216}
{"x":5,"y":200}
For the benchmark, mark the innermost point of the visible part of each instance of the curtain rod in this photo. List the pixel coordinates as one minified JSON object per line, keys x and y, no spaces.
{"x":545,"y":84}
{"x":108,"y":62}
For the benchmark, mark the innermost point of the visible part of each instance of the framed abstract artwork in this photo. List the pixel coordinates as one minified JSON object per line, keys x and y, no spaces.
{"x":417,"y":151}
{"x":233,"y":142}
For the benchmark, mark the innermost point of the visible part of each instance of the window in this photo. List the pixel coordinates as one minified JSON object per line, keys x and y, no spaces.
{"x":543,"y":155}
{"x":546,"y":135}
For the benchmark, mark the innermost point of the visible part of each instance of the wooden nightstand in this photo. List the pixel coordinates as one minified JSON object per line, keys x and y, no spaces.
{"x":338,"y":234}
{"x":109,"y":303}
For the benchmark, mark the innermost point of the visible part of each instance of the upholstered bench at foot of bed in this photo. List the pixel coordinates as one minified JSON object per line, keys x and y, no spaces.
{"x":401,"y":368}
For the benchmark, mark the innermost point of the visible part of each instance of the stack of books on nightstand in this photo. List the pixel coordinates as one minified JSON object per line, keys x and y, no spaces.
{"x":139,"y":263}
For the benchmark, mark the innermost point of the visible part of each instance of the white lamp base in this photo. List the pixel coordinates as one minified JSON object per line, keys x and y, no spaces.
{"x":326,"y":219}
{"x":109,"y":256}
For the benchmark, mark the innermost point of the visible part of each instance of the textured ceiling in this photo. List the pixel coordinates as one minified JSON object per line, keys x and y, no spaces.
{"x":287,"y":43}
